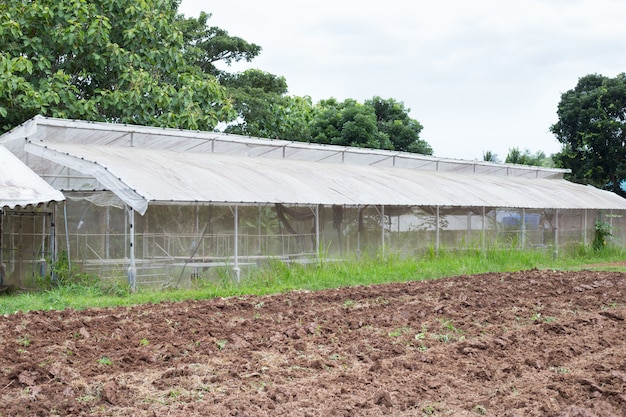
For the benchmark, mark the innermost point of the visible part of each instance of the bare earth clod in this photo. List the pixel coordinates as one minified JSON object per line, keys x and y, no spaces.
{"x":534,"y":343}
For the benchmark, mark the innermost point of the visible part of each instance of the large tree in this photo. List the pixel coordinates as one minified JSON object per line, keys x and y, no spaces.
{"x":142,"y":62}
{"x":592,"y":130}
{"x":207,"y":45}
{"x":264,"y":108}
{"x":377,"y":123}
{"x":347,"y":123}
{"x":393,"y":119}
{"x":113,"y":60}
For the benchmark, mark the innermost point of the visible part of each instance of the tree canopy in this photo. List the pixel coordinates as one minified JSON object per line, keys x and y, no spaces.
{"x":264,"y":109}
{"x":113,"y":60}
{"x":592,"y":131}
{"x":206,"y":45}
{"x":141,"y":62}
{"x":376,"y":123}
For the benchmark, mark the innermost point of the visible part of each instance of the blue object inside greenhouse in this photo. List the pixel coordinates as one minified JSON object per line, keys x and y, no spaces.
{"x":514,"y":221}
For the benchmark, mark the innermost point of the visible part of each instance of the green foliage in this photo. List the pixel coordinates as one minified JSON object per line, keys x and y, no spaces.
{"x":377,"y":123}
{"x":480,"y":409}
{"x":263,"y":107}
{"x":489,"y":156}
{"x":592,"y":131}
{"x":24,"y":341}
{"x":105,"y":360}
{"x":205,"y":45}
{"x":265,"y":110}
{"x":399,"y":331}
{"x":539,"y":158}
{"x":393,"y":120}
{"x":63,"y":273}
{"x":602,"y":231}
{"x":143,"y":63}
{"x":108,"y":60}
{"x":279,"y":277}
{"x":67,"y":279}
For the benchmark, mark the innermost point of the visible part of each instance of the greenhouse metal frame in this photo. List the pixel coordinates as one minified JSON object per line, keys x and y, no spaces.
{"x":166,"y":206}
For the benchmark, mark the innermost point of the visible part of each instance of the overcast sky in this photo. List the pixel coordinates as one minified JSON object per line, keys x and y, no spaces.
{"x":479,"y":75}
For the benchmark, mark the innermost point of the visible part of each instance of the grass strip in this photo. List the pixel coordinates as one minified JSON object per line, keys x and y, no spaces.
{"x":279,"y":278}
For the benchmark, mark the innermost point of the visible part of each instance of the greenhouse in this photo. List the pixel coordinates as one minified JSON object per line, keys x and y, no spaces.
{"x":26,"y":220}
{"x":166,"y":206}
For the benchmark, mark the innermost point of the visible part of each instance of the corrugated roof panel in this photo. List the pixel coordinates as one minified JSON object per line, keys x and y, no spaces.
{"x":20,"y":186}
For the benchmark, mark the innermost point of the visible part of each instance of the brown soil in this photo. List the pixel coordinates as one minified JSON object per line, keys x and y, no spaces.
{"x":535,"y":343}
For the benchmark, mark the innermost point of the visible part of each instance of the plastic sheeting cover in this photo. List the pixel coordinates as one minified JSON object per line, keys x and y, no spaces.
{"x":110,"y":134}
{"x":143,"y":176}
{"x":20,"y":186}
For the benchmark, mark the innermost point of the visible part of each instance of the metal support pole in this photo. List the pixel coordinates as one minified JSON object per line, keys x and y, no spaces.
{"x":468,"y":232}
{"x":382,"y":230}
{"x":236,"y":269}
{"x":67,"y":238}
{"x":484,"y":229}
{"x":259,"y":231}
{"x":2,"y":265}
{"x":43,"y":235}
{"x":523,"y":228}
{"x":556,"y":233}
{"x":132,"y":269}
{"x":317,"y":232}
{"x":107,"y":237}
{"x":585,"y":227}
{"x":53,"y":239}
{"x":437,"y":229}
{"x":358,"y":232}
{"x":197,"y":225}
{"x":126,"y":232}
{"x":399,"y":234}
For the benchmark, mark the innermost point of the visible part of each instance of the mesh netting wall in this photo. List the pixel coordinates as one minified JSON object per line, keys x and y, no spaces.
{"x":26,"y":246}
{"x":174,"y":243}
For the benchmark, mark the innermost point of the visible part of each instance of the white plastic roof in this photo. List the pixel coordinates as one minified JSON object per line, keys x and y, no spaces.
{"x":143,"y":176}
{"x":144,"y":165}
{"x":20,"y":186}
{"x":96,"y":133}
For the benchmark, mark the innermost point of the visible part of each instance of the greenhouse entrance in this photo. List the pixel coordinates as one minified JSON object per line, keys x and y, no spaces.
{"x":27,"y":240}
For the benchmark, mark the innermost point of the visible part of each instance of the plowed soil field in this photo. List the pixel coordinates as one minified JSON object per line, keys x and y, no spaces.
{"x":534,"y":343}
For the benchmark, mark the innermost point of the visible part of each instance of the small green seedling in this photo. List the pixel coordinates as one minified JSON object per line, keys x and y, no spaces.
{"x":105,"y":361}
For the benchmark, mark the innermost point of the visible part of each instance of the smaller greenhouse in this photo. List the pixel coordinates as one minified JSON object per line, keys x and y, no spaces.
{"x":166,"y":206}
{"x":27,"y":230}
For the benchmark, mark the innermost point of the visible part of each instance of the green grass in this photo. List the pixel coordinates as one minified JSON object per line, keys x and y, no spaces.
{"x":280,"y":278}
